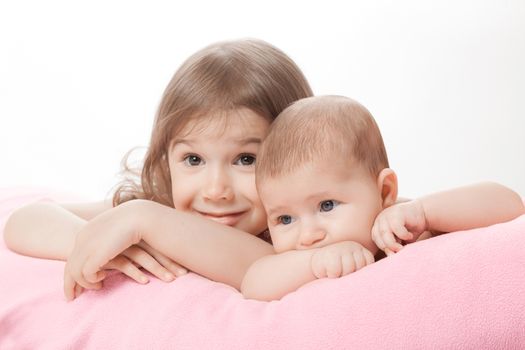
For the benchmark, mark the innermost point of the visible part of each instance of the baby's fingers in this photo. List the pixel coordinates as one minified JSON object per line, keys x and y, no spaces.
{"x":334,"y":267}
{"x":369,"y":257}
{"x":348,"y":264}
{"x":400,"y":231}
{"x":318,"y":269}
{"x":387,"y":238}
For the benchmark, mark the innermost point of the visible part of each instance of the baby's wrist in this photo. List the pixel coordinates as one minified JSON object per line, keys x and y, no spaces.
{"x":422,"y":209}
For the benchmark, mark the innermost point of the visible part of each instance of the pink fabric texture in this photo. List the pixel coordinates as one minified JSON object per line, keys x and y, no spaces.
{"x":463,"y":290}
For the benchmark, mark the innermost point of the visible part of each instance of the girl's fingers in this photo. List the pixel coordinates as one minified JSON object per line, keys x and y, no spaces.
{"x":124,"y":265}
{"x":95,"y":278}
{"x":78,"y":290}
{"x":172,"y":266}
{"x":69,"y":286}
{"x":146,"y":261}
{"x":73,"y":287}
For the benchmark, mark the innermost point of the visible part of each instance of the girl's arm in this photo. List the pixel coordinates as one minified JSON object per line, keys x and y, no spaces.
{"x":47,"y":229}
{"x":216,"y":251}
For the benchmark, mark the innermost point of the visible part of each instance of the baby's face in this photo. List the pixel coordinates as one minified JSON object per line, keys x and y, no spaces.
{"x":321,"y":204}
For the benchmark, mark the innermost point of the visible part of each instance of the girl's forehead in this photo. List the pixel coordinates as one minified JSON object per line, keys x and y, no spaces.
{"x":239,"y":121}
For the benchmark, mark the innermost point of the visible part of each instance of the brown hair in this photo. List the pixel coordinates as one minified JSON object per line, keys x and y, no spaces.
{"x":319,"y":128}
{"x":221,"y":77}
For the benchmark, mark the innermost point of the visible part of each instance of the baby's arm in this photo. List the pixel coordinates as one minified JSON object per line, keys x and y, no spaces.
{"x":273,"y":276}
{"x":462,"y":208}
{"x":472,"y":206}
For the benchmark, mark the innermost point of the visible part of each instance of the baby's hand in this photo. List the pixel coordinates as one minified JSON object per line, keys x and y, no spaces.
{"x":401,"y":222}
{"x":339,"y":259}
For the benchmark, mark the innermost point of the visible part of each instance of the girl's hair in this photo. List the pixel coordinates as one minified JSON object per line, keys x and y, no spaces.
{"x":323,"y":128}
{"x":219,"y":78}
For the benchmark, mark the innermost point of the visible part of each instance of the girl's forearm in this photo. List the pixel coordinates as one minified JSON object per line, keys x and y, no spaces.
{"x":42,"y":230}
{"x":471,"y":206}
{"x":216,"y":251}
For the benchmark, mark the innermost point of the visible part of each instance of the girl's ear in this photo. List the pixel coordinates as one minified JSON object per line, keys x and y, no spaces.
{"x":387,"y":185}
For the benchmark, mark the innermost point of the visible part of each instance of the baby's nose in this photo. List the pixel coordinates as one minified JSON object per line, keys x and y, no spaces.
{"x":311,"y":237}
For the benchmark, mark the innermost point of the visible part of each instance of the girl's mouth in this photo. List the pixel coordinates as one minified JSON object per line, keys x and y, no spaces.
{"x":230,"y":219}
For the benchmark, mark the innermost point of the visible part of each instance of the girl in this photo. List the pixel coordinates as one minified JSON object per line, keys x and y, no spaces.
{"x":210,"y":122}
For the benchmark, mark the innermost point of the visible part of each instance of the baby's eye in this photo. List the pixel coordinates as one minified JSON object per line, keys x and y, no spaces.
{"x":193,"y":160}
{"x":285,"y":219}
{"x":328,"y":205}
{"x":245,"y":159}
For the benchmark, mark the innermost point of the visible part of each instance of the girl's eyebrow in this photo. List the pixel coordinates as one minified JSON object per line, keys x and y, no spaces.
{"x":240,"y":142}
{"x":248,"y":140}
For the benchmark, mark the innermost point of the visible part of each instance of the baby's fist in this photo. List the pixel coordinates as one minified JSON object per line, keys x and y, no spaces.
{"x":339,"y":259}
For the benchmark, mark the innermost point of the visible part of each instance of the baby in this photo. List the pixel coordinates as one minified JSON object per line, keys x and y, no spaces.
{"x":323,"y":177}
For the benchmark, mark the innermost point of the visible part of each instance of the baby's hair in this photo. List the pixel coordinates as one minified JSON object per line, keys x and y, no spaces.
{"x":324,"y":128}
{"x":216,"y":80}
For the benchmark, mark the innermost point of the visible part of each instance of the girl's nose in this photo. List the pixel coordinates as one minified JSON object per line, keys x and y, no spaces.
{"x":218,"y":187}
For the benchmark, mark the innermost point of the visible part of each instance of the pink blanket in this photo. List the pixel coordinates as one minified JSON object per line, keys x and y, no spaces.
{"x":463,"y":290}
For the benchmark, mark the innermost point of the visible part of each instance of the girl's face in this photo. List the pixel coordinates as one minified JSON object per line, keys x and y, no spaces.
{"x":212,"y":166}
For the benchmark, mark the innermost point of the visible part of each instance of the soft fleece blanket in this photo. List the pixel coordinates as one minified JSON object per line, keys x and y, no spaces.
{"x":464,"y":290}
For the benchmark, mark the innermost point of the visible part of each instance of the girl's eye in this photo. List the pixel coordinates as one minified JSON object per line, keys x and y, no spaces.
{"x":192,"y":160}
{"x":285,"y":219}
{"x":246,"y":160}
{"x":328,"y":205}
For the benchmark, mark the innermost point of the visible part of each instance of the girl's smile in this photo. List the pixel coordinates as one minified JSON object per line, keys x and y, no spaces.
{"x":212,"y":168}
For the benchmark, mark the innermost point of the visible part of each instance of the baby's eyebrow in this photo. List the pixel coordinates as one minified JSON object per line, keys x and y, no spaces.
{"x":275,"y":210}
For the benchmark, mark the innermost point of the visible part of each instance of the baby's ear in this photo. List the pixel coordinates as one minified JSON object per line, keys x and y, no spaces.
{"x":387,"y":185}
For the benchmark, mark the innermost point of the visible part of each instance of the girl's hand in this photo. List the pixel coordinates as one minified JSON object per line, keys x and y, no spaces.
{"x":402,"y":222}
{"x":129,"y":263}
{"x":112,"y":240}
{"x":143,"y":256}
{"x":339,"y":259}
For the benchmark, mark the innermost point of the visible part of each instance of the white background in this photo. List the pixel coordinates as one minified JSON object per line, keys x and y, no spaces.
{"x":80,"y":81}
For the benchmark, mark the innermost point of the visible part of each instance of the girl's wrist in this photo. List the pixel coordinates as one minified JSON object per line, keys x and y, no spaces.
{"x":145,"y":215}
